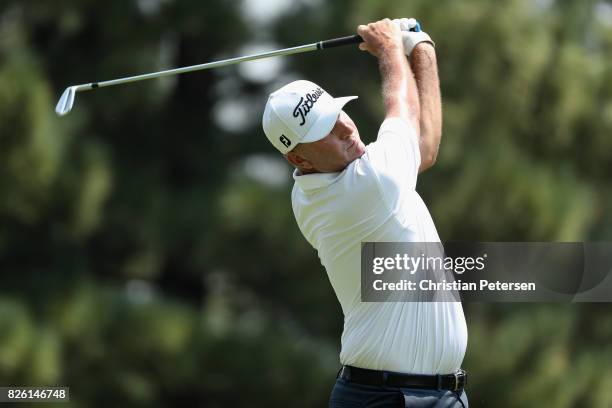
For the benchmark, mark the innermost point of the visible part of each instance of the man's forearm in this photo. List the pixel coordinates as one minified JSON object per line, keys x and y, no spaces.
{"x":424,"y":65}
{"x":399,"y":87}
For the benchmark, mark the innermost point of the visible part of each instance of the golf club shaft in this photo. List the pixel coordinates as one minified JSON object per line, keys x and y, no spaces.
{"x":335,"y":42}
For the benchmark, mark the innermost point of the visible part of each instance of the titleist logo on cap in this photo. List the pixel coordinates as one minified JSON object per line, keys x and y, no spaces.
{"x":304,"y":106}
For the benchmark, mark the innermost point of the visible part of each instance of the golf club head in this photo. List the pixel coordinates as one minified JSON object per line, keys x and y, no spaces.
{"x":66,"y":101}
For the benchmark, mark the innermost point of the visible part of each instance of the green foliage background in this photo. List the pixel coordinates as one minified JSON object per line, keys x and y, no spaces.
{"x":148,"y":253}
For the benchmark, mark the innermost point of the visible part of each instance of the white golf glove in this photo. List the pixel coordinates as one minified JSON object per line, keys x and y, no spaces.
{"x":411,"y":34}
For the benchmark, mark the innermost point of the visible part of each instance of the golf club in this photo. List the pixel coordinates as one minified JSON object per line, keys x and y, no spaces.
{"x":66,"y":101}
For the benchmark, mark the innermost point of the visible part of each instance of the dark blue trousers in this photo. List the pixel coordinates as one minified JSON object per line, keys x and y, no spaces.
{"x":351,"y":395}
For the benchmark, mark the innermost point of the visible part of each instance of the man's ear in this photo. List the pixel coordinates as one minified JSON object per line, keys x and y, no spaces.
{"x":299,"y":161}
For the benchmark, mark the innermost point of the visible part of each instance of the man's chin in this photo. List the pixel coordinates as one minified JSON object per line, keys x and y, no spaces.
{"x":360,"y":149}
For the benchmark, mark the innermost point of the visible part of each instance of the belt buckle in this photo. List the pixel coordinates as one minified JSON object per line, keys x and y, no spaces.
{"x":459,"y":383}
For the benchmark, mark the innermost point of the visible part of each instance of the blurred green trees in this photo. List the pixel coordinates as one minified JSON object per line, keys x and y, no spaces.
{"x":148,"y":254}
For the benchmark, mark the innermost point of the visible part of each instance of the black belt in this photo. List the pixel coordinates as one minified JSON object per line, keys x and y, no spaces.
{"x":452,"y":382}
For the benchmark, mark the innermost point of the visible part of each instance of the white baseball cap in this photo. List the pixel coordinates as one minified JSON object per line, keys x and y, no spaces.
{"x":300,"y":112}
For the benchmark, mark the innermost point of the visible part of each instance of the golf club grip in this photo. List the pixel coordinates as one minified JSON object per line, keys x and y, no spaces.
{"x":337,"y":42}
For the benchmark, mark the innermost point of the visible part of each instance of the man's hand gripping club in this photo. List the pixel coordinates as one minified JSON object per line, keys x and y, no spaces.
{"x":383,"y":39}
{"x":426,"y":113}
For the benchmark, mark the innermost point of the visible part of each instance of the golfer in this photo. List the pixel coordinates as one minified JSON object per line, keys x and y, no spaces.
{"x":394,"y":354}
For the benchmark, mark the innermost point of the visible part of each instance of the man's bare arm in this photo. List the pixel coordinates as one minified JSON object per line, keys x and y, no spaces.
{"x":399,"y":87}
{"x":424,"y":65}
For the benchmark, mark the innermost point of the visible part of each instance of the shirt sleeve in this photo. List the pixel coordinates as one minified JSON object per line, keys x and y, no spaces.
{"x":395,"y":153}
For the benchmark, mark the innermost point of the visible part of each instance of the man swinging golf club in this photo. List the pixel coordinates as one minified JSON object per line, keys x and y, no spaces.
{"x":393,"y":353}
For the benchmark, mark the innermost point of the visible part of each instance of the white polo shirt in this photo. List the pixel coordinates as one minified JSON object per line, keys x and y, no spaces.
{"x":374,"y":200}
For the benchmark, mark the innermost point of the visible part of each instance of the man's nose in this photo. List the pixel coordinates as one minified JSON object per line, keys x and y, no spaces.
{"x":344,"y":130}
